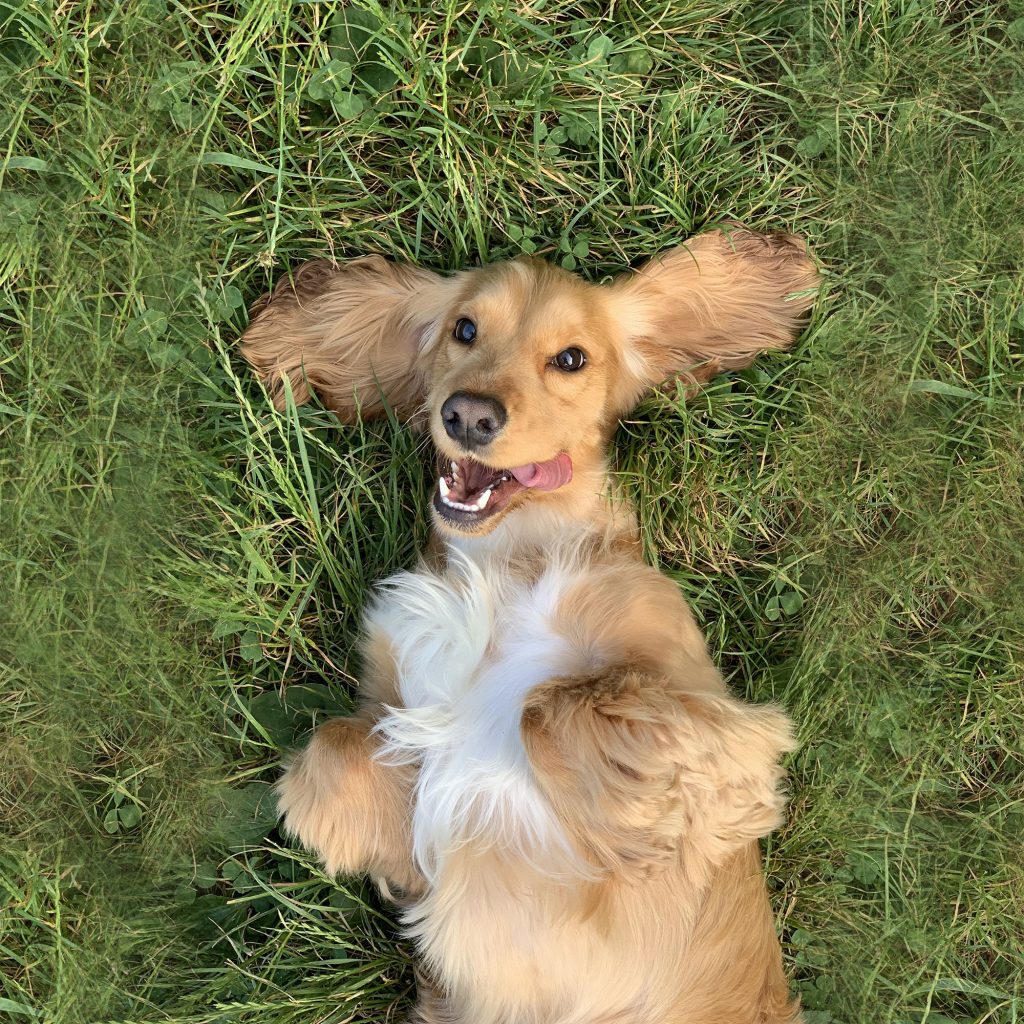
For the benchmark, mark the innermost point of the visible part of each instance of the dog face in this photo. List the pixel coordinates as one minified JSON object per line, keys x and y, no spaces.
{"x":520,"y":370}
{"x":519,"y":390}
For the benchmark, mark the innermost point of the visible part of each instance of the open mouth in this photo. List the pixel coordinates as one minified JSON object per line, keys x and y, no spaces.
{"x":469,"y":492}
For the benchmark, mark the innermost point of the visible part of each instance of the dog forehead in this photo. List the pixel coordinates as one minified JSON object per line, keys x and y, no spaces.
{"x":524,"y":299}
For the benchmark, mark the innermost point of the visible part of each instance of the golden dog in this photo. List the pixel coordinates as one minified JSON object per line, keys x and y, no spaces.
{"x":546,"y":769}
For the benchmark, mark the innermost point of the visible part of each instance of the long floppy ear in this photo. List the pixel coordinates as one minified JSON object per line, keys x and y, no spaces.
{"x":356,"y":333}
{"x":710,"y":305}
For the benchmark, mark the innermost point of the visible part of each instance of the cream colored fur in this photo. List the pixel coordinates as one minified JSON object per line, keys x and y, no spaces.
{"x":547,"y":770}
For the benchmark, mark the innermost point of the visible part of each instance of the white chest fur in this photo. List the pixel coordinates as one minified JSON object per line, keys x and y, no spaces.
{"x":469,"y":645}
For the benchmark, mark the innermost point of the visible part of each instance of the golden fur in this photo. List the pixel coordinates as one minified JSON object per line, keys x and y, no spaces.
{"x":635,"y":893}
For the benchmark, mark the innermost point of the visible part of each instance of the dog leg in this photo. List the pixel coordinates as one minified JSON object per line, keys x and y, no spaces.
{"x":432,"y":1006}
{"x":638,"y":769}
{"x":350,"y":809}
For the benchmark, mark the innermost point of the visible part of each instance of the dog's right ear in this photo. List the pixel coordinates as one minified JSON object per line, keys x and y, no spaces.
{"x":359,"y":334}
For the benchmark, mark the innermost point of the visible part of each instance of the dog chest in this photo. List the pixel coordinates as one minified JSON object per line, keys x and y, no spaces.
{"x":468,"y":646}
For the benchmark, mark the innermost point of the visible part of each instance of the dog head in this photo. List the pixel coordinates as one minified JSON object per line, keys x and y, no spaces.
{"x":520,"y":370}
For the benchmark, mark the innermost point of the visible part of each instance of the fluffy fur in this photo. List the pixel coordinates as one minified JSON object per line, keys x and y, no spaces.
{"x":546,"y":769}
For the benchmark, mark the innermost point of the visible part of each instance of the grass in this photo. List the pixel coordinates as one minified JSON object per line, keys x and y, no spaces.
{"x":184,"y":568}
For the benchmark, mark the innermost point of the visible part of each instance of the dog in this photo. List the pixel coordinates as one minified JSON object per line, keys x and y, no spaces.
{"x":545,"y":768}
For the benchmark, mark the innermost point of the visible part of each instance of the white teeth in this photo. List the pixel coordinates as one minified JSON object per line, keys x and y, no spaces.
{"x":479,"y":504}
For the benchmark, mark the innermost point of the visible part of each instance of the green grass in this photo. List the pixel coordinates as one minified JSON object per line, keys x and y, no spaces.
{"x":184,"y":568}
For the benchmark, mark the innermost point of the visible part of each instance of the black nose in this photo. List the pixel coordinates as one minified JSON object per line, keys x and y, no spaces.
{"x":473,"y":420}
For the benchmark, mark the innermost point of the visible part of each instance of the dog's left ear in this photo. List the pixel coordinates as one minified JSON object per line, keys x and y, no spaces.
{"x":710,"y":305}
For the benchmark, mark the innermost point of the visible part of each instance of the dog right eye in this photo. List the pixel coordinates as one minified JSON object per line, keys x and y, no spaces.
{"x":465,"y":331}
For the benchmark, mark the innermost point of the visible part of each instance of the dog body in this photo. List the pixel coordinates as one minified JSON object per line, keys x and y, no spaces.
{"x":546,"y":768}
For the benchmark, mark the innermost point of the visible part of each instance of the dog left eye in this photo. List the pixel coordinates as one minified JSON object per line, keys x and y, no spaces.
{"x":465,"y":331}
{"x":570,"y":360}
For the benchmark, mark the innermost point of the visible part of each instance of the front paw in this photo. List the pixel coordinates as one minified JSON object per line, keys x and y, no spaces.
{"x":321,"y":793}
{"x":640,"y":769}
{"x":622,"y":707}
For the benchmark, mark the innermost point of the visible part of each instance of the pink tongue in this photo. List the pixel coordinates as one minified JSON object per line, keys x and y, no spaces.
{"x":545,"y":476}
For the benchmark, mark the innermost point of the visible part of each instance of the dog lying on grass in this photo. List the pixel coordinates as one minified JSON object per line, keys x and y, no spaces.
{"x":546,"y":769}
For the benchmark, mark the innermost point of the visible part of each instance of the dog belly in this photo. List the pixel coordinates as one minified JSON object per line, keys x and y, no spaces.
{"x":510,"y":946}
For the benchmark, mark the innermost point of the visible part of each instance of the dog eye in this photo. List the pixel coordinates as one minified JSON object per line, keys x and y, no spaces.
{"x":570,"y":359}
{"x":465,"y":331}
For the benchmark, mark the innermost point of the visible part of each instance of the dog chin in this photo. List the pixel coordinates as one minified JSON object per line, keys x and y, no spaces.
{"x":465,"y":524}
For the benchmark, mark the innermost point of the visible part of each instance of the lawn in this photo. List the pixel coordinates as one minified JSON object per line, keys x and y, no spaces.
{"x":183,"y":568}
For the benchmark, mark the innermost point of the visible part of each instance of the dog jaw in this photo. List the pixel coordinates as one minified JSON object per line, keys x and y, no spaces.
{"x":472,"y":497}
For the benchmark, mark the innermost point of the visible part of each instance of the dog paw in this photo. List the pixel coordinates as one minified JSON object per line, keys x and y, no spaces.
{"x":614,"y":700}
{"x":319,"y":795}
